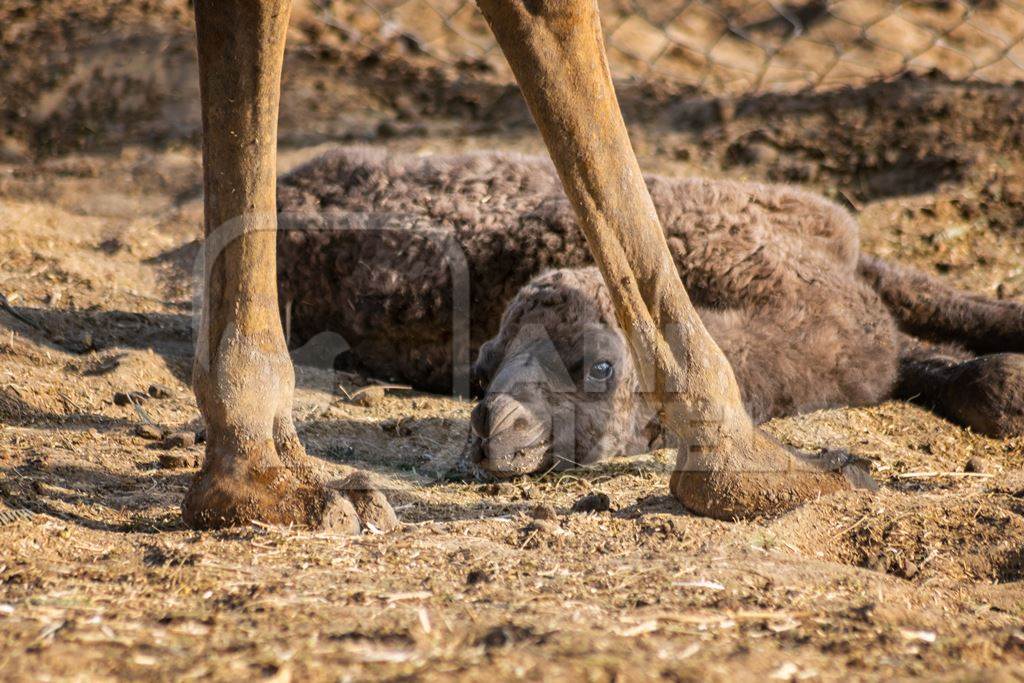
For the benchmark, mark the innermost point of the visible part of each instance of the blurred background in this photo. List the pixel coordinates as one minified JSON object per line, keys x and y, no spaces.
{"x":737,"y":48}
{"x":864,"y":100}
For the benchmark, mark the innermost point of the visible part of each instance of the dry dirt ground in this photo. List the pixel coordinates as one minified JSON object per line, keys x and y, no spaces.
{"x":100,"y":207}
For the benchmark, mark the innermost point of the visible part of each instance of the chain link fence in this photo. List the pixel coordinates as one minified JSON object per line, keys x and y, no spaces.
{"x":734,"y":47}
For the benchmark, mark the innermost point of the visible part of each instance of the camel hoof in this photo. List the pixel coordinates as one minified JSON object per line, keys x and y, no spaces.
{"x":370,"y":503}
{"x":338,"y":515}
{"x":220,"y":499}
{"x":856,"y":470}
{"x":987,"y":395}
{"x":773,"y":479}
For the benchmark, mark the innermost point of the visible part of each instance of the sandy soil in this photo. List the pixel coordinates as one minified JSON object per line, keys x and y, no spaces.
{"x":100,"y":206}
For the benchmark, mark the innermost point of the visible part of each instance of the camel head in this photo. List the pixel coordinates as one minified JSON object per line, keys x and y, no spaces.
{"x":560,"y":385}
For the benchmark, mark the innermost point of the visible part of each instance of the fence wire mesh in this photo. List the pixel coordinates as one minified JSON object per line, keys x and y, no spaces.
{"x":736,"y":46}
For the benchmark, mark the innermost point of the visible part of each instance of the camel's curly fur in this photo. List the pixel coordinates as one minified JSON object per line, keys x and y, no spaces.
{"x":805,"y":319}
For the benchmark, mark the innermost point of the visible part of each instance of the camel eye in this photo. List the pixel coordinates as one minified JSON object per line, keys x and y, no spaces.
{"x":601,"y":371}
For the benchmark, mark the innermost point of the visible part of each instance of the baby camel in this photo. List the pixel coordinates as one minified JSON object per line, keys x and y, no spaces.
{"x":777,"y":276}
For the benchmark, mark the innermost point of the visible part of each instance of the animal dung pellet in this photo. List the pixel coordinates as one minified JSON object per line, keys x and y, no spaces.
{"x":544,"y":511}
{"x":368,"y":397}
{"x":159,"y":391}
{"x":180,"y":440}
{"x":910,"y":569}
{"x":593,"y":502}
{"x":175,"y":461}
{"x":477,"y":576}
{"x":498,"y":488}
{"x":541,"y":526}
{"x":397,"y":426}
{"x":148,"y":431}
{"x":977,"y":465}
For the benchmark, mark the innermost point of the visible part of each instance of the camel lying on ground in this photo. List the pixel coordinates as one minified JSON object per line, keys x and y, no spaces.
{"x":377,"y":247}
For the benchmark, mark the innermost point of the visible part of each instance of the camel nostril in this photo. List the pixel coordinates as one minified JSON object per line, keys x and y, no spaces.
{"x":478,"y":419}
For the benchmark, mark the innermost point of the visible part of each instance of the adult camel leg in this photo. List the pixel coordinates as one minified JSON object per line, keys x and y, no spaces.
{"x":728,"y":468}
{"x":255,"y":468}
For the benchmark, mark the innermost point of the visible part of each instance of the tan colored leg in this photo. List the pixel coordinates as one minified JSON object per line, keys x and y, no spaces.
{"x":255,"y":468}
{"x":730,"y":469}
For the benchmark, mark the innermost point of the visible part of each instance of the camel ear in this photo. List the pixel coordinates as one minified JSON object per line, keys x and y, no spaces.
{"x":487,"y":360}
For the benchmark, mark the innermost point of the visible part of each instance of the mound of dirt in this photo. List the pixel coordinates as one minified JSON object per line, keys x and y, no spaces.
{"x":920,"y":537}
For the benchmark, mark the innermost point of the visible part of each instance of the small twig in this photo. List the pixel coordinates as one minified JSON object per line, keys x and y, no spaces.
{"x":547,"y":472}
{"x":931,"y":556}
{"x":385,"y":387}
{"x":851,"y":527}
{"x":401,"y":597}
{"x":528,"y":539}
{"x":928,"y":474}
{"x":702,"y":618}
{"x":142,"y":413}
{"x":854,"y":204}
{"x":6,"y":305}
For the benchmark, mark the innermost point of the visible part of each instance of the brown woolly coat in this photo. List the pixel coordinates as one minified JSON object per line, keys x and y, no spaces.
{"x":371,"y":246}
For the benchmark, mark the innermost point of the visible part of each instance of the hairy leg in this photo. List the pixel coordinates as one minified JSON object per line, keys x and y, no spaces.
{"x":928,"y":308}
{"x":728,"y":468}
{"x":985,"y":393}
{"x":255,"y":467}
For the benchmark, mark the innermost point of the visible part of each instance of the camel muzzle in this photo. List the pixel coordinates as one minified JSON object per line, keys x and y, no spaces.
{"x":510,"y":437}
